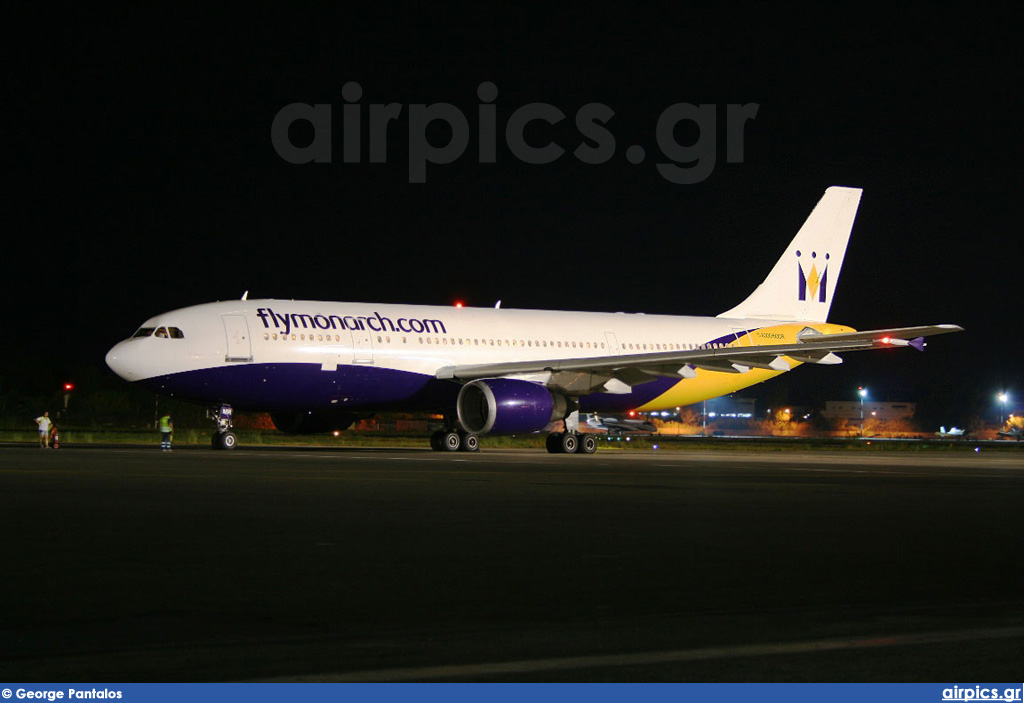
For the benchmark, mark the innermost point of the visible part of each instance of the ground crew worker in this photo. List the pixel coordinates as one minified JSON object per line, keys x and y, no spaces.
{"x":43,"y":421}
{"x":166,"y":428}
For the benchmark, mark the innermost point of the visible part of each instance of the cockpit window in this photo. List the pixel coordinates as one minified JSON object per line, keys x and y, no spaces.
{"x":169,"y":333}
{"x":160,"y":332}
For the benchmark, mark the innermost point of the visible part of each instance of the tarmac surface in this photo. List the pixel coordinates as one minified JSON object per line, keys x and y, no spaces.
{"x":128,"y":564}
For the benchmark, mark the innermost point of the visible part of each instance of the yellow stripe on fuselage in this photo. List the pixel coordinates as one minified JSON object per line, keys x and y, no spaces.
{"x":712,"y":384}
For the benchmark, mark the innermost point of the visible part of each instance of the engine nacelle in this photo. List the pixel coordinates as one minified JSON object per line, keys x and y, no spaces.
{"x":508,"y":406}
{"x":312,"y":422}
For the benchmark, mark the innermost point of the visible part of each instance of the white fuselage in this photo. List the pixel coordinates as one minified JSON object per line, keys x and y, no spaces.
{"x":365,"y":340}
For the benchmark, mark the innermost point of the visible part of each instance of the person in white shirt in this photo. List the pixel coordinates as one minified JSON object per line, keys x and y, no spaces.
{"x":43,"y":421}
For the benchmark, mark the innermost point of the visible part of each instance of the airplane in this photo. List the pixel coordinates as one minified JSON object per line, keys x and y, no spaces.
{"x":316,"y":366}
{"x":614,"y":425}
{"x":1016,"y":433}
{"x":952,"y":432}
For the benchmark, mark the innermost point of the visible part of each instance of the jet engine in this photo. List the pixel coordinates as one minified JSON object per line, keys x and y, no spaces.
{"x":508,"y":406}
{"x":313,"y":422}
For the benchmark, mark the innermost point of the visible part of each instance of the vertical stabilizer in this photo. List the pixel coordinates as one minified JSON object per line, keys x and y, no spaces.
{"x":802,"y":284}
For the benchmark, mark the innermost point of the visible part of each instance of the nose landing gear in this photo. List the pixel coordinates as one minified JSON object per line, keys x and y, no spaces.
{"x":223,"y":437}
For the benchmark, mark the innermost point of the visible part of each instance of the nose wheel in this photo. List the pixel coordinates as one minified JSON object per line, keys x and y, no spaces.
{"x":224,"y":440}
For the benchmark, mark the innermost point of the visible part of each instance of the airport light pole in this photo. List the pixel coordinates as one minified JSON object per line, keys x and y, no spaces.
{"x":68,"y":387}
{"x":1002,"y":397}
{"x":862,"y":391}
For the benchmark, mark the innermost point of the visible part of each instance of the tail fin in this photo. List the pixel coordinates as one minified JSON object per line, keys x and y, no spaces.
{"x":801,"y":285}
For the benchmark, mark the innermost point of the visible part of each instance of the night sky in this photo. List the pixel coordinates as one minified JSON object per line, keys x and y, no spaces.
{"x":141,"y":176}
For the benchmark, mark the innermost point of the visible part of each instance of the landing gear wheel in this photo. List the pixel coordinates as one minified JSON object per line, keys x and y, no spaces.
{"x":570,"y":443}
{"x":470,"y":442}
{"x":224,"y":440}
{"x":588,"y":444}
{"x":554,"y":443}
{"x":436,"y":440}
{"x":451,"y":441}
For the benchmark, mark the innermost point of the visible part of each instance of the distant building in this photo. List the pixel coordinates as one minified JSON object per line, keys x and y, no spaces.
{"x":728,"y":406}
{"x":722,"y":407}
{"x":851,"y":409}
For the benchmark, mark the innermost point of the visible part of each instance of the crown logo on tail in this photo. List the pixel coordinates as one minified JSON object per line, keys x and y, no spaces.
{"x":812,"y":283}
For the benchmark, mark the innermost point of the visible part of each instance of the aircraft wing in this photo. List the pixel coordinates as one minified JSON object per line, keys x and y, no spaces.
{"x":615,"y":374}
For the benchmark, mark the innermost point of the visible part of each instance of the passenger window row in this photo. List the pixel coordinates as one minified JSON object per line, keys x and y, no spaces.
{"x":480,"y":342}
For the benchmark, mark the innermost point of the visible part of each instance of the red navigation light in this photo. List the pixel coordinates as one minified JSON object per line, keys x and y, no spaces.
{"x":885,"y":340}
{"x":69,"y":387}
{"x":458,"y":303}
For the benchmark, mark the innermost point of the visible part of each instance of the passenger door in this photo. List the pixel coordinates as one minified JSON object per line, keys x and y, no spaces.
{"x":239,"y":345}
{"x":362,"y":347}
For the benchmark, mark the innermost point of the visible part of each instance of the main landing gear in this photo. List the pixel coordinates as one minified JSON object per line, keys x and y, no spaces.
{"x":557,"y":442}
{"x":223,"y":438}
{"x":571,"y":443}
{"x":452,"y":440}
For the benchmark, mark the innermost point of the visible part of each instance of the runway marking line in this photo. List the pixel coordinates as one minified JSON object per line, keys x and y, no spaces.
{"x":529,"y":666}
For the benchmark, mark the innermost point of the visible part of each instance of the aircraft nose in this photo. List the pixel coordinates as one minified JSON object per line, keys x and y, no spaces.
{"x":119,"y":362}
